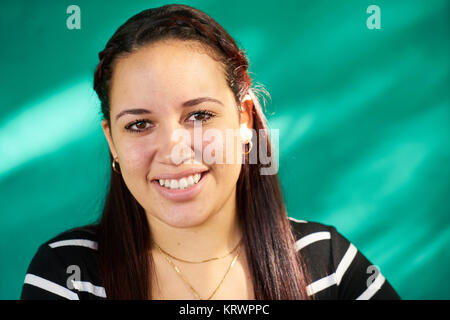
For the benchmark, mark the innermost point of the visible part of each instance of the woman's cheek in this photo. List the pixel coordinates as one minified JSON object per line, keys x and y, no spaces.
{"x":215,"y":147}
{"x":222,"y":147}
{"x":139,"y":156}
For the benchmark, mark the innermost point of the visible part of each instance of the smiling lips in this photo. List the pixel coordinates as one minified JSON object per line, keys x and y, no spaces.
{"x":187,"y":192}
{"x":182,"y":183}
{"x":182,"y":186}
{"x":179,"y":175}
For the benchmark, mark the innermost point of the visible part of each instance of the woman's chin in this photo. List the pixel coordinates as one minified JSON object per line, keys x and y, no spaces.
{"x":181,"y":217}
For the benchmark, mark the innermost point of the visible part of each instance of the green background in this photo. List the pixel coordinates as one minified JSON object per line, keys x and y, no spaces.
{"x":363,"y":118}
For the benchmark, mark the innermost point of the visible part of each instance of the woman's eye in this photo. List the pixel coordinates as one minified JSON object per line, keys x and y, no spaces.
{"x":202,"y":116}
{"x":144,"y":125}
{"x":140,"y":125}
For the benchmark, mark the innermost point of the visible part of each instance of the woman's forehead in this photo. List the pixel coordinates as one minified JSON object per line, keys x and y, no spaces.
{"x":167,"y":69}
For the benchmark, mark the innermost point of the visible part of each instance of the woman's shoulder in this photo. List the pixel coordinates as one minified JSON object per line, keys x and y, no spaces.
{"x":316,"y":234}
{"x":71,"y":246}
{"x":85,"y":236}
{"x":315,"y":242}
{"x":65,"y":266}
{"x":303,"y":227}
{"x":337,"y":268}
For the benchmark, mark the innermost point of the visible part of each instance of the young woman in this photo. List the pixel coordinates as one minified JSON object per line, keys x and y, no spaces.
{"x":175,"y":226}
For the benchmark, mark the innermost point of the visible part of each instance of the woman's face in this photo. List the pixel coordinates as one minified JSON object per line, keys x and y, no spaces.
{"x":163,"y":80}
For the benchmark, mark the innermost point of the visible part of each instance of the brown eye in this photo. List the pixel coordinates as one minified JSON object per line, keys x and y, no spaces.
{"x":141,"y":126}
{"x":201,"y":115}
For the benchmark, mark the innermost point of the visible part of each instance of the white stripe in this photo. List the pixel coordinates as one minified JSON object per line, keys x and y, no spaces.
{"x":296,"y":220}
{"x":345,"y":262}
{"x":50,"y":286}
{"x":336,"y":277}
{"x":321,"y":284}
{"x":311,"y":238}
{"x":89,"y":287}
{"x":75,"y":242}
{"x":373,"y":288}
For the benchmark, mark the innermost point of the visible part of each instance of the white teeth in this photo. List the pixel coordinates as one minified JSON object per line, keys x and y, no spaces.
{"x":173,"y":184}
{"x":183,"y":183}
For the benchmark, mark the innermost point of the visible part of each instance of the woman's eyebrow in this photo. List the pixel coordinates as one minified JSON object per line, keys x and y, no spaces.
{"x":196,"y":101}
{"x":188,"y":103}
{"x":132,"y":111}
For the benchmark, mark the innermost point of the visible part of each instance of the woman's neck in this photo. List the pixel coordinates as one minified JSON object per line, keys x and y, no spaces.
{"x":215,"y":237}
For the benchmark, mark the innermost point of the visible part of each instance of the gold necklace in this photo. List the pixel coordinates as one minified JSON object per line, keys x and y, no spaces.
{"x":187,"y":282}
{"x":203,"y":261}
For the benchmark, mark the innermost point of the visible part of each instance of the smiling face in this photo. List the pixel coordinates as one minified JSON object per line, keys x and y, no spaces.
{"x":177,"y":85}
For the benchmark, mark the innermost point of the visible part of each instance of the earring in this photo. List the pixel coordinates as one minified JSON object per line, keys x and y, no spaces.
{"x":250,"y":147}
{"x":114,"y":165}
{"x":246,"y":135}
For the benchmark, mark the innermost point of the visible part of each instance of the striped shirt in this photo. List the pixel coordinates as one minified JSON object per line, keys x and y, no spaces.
{"x":66,"y":267}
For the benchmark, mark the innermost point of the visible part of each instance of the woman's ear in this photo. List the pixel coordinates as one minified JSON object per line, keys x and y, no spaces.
{"x":246,"y":113}
{"x":107,"y":133}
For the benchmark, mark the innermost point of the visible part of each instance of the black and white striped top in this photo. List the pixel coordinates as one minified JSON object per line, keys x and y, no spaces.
{"x":65,"y":267}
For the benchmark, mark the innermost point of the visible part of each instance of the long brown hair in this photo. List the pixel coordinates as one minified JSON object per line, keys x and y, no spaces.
{"x":124,"y":238}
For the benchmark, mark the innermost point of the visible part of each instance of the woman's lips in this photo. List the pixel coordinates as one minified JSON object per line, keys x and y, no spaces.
{"x":179,"y":175}
{"x":182,"y":194}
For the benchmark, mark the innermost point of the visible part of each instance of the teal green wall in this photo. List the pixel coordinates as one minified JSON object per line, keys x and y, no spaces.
{"x":363,"y":117}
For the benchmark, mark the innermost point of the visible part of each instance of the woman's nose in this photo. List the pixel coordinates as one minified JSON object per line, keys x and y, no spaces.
{"x":174,"y":143}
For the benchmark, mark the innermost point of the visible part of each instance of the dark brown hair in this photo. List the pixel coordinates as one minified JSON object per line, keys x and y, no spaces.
{"x":124,"y":238}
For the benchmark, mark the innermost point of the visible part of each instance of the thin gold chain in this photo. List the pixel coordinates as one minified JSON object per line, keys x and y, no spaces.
{"x":203,"y":261}
{"x":187,"y":282}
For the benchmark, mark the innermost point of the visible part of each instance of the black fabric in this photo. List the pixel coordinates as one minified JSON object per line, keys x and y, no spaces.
{"x":322,"y":259}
